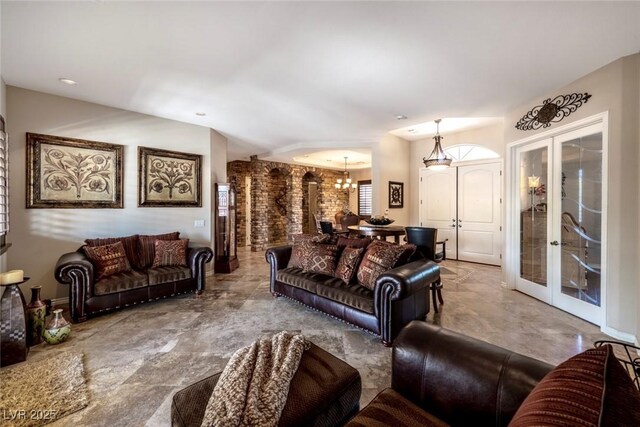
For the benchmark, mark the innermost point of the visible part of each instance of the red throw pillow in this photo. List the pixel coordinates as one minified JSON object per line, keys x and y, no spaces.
{"x":321,"y":258}
{"x":591,"y":388}
{"x":379,"y":257}
{"x":147,"y":244}
{"x":130,"y":244}
{"x":170,"y":253}
{"x":348,"y":263}
{"x":108,"y":259}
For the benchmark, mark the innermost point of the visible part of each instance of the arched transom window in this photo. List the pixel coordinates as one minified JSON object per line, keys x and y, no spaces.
{"x":467,"y":152}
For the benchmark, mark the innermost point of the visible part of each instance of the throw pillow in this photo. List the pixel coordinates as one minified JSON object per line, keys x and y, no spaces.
{"x":405,"y":257}
{"x":321,"y":258}
{"x":591,"y":388}
{"x":108,"y":259}
{"x":300,"y":251}
{"x":379,"y":257}
{"x":348,"y":263}
{"x":130,"y":244}
{"x":170,"y":253}
{"x":147,"y":244}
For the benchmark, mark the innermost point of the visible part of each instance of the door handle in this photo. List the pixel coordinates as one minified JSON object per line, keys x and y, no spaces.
{"x":459,"y":226}
{"x":453,"y":225}
{"x":554,"y":243}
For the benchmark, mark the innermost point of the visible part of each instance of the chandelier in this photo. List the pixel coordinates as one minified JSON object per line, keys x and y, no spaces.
{"x":345,"y":182}
{"x":437,"y":159}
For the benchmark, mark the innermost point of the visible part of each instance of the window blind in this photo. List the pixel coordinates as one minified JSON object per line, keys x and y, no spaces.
{"x":4,"y":186}
{"x":365,"y":201}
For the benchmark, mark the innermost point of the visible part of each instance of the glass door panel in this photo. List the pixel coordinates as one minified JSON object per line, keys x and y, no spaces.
{"x":580,"y":219}
{"x":533,"y":186}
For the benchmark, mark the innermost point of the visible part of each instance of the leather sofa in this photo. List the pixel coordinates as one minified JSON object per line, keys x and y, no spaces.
{"x":88,"y":296}
{"x":400,"y":294}
{"x":440,"y":377}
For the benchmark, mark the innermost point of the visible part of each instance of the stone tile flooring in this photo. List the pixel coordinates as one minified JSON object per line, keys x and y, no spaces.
{"x":139,"y":357}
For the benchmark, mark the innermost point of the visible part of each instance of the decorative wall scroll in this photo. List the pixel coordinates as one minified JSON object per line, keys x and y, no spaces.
{"x":73,"y":173}
{"x":552,"y":111}
{"x":396,"y":194}
{"x":169,"y":178}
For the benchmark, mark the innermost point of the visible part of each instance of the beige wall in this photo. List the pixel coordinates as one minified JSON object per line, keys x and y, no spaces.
{"x":40,"y":236}
{"x":614,"y":88}
{"x":390,"y":162}
{"x":491,"y":137}
{"x":357,"y":175}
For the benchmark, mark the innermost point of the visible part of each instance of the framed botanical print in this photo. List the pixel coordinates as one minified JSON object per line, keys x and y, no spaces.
{"x":73,"y":173}
{"x":396,"y":194}
{"x":169,"y":178}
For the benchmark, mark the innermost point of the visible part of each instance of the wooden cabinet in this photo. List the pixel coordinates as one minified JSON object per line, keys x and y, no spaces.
{"x":226,"y":245}
{"x":533,"y":247}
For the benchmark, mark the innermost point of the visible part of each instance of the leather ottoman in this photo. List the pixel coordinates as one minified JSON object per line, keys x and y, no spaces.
{"x":325,"y":391}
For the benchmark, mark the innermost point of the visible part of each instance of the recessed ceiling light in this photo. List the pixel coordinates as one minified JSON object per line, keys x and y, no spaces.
{"x":401,"y":117}
{"x":411,"y":130}
{"x":201,"y":114}
{"x":68,"y":81}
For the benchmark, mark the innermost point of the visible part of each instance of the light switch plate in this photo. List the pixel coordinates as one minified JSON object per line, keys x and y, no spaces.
{"x":198,"y":223}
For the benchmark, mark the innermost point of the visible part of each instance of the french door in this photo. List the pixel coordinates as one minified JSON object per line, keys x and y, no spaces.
{"x":560,"y":220}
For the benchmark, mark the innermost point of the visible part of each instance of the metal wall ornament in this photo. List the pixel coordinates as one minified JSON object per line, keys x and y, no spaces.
{"x":169,"y":178}
{"x":73,"y":173}
{"x":552,"y":111}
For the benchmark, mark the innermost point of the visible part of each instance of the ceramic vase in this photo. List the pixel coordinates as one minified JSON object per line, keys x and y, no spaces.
{"x":36,"y":313}
{"x":57,"y":329}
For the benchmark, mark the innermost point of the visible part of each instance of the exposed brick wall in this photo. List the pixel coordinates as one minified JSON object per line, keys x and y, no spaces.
{"x":266,"y":226}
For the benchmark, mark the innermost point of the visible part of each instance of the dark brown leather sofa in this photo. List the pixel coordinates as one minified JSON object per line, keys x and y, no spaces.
{"x":400,"y":295}
{"x":440,"y":377}
{"x":124,"y":289}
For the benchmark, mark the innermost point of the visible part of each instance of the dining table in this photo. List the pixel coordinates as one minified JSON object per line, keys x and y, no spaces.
{"x":379,"y":231}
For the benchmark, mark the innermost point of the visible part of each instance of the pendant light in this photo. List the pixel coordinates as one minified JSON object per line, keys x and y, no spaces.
{"x":437,"y":160}
{"x":345,"y":183}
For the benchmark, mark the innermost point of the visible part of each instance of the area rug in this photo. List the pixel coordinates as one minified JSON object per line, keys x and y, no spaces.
{"x":457,"y":278}
{"x":40,"y":392}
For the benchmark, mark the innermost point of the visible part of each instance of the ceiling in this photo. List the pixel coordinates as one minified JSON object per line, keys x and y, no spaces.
{"x":284,"y":77}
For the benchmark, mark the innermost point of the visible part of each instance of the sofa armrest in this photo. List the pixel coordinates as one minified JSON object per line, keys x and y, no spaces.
{"x":459,"y":379}
{"x":76,"y":270}
{"x":400,"y":282}
{"x":278,"y":258}
{"x":196,"y":259}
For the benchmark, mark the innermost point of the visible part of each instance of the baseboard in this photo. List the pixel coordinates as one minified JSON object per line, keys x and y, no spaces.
{"x":60,"y":301}
{"x":619,"y":335}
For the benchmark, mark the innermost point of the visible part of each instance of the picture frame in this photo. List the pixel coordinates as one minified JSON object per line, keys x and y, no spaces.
{"x":73,"y":173}
{"x":169,"y":178}
{"x":396,"y":195}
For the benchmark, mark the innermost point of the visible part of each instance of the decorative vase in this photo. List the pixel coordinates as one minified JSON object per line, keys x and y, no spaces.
{"x":57,"y":329}
{"x":36,"y":313}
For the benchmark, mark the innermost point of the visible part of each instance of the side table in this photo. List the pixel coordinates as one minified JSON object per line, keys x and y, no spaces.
{"x":13,"y":325}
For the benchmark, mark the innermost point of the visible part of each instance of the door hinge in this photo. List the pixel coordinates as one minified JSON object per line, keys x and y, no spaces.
{"x":500,"y":256}
{"x":500,"y":173}
{"x":500,"y":228}
{"x":420,"y":223}
{"x":420,"y":201}
{"x":500,"y":200}
{"x":420,"y":179}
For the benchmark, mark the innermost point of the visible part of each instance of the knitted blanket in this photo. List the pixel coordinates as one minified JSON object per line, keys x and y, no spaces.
{"x":252,"y":389}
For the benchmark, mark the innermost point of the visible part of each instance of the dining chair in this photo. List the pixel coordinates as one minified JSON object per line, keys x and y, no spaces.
{"x":426,"y":241}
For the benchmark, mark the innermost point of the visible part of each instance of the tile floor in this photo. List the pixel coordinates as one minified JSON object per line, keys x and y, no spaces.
{"x":139,"y":357}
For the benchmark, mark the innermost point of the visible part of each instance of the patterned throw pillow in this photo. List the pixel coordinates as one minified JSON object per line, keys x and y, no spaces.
{"x":590,"y":389}
{"x":379,"y":257}
{"x":108,"y":259}
{"x":130,"y":244}
{"x":348,"y":263}
{"x":321,"y":258}
{"x":170,"y":253}
{"x":300,"y":251}
{"x":147,"y":245}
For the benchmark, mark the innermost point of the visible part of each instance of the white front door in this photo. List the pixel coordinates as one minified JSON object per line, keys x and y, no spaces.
{"x":438,"y":208}
{"x":479,"y":213}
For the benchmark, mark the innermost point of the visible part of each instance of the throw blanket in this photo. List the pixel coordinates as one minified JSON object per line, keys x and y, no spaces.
{"x":252,"y":389}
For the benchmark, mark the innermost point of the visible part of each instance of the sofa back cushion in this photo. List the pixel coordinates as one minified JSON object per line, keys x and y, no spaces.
{"x":108,"y":259}
{"x":591,"y":388}
{"x":379,"y":257}
{"x":130,"y":244}
{"x":146,"y":247}
{"x":170,"y":253}
{"x":348,"y":263}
